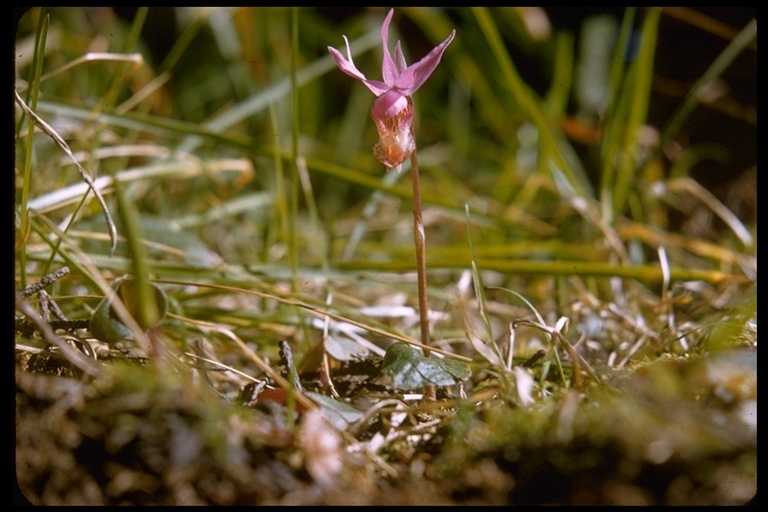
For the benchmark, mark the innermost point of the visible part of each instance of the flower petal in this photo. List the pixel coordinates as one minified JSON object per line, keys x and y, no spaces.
{"x":348,"y":66}
{"x":389,"y":71}
{"x":388,"y":105}
{"x":378,"y":88}
{"x":416,"y":74}
{"x":400,"y":59}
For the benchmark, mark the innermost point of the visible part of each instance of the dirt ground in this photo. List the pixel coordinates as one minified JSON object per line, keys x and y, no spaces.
{"x":676,"y":433}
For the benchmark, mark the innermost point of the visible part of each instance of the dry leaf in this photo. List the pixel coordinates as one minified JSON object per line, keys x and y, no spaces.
{"x":323,"y":450}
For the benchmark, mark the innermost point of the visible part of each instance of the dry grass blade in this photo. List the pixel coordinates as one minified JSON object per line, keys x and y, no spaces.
{"x":694,"y":188}
{"x":86,"y":364}
{"x":83,"y":173}
{"x":250,"y":354}
{"x":322,"y":313}
{"x":556,"y":332}
{"x":134,"y":58}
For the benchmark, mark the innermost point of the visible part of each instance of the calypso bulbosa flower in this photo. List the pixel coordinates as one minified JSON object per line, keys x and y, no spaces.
{"x":393,"y":109}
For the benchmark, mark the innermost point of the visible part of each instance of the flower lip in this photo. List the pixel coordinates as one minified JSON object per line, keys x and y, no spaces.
{"x":389,"y":105}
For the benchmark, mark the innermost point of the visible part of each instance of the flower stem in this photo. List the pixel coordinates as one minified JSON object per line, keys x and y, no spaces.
{"x":420,"y":242}
{"x":419,"y":239}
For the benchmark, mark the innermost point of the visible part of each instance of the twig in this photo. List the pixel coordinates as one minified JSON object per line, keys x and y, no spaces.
{"x":286,"y":355}
{"x":48,"y":279}
{"x":84,"y":363}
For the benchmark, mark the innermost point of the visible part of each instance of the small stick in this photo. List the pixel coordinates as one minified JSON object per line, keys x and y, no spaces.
{"x":290,"y":369}
{"x":45,"y":281}
{"x":86,"y":364}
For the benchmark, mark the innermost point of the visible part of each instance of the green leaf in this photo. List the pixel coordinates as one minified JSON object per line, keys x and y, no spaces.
{"x":105,"y":324}
{"x":341,"y":414}
{"x":411,"y":370}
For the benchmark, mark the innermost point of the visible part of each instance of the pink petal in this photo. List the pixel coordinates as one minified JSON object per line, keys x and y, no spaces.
{"x":388,"y":105}
{"x":400,"y":59}
{"x":378,"y":88}
{"x":348,"y":66}
{"x":397,"y":75}
{"x":388,"y":69}
{"x":416,"y":74}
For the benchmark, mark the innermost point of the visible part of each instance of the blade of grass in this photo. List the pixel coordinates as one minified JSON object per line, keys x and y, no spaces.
{"x":119,"y":79}
{"x":82,"y":264}
{"x":635,"y":104}
{"x":744,"y":38}
{"x":480,"y":291}
{"x":468,"y":71}
{"x":644,"y":273}
{"x":554,"y":146}
{"x":694,"y":188}
{"x":547,"y":363}
{"x":295,"y":182}
{"x":556,"y":101}
{"x":83,"y":173}
{"x":293,"y":224}
{"x":134,"y":58}
{"x":37,"y":69}
{"x":148,"y":313}
{"x":155,"y":125}
{"x":504,"y":216}
{"x":319,"y":308}
{"x":614,"y":124}
{"x":173,"y":170}
{"x":369,"y":210}
{"x":279,"y":90}
{"x":611,"y":129}
{"x":86,"y":364}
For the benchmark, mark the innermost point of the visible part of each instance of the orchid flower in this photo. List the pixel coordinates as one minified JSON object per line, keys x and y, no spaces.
{"x":393,"y":109}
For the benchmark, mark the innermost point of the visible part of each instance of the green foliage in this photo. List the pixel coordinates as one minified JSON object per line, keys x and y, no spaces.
{"x":106,"y":325}
{"x":411,"y":370}
{"x":340,"y":414}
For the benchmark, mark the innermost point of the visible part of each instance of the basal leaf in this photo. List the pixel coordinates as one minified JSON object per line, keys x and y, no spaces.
{"x":106,"y":326}
{"x":411,"y":370}
{"x":456,"y":368}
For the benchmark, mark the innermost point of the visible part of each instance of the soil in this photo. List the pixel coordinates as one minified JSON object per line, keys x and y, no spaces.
{"x":679,"y":431}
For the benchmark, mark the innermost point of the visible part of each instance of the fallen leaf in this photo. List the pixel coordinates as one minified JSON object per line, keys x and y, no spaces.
{"x":323,"y":450}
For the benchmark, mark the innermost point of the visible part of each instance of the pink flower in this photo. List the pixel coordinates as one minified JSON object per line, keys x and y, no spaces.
{"x":393,"y":109}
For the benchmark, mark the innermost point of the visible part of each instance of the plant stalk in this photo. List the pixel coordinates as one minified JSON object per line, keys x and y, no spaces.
{"x":419,"y":239}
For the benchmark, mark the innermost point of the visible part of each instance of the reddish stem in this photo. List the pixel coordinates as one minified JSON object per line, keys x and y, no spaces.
{"x":420,"y":241}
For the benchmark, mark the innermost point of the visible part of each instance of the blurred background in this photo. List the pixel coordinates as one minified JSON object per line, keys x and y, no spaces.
{"x":218,"y":58}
